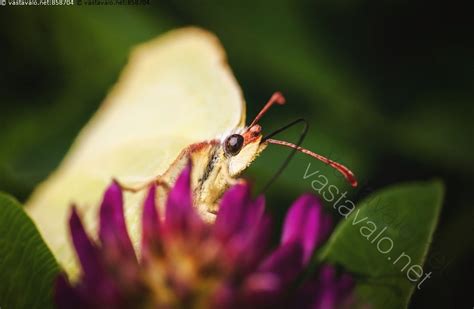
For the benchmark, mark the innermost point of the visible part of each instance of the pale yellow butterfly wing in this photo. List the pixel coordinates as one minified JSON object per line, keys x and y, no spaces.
{"x":175,"y":90}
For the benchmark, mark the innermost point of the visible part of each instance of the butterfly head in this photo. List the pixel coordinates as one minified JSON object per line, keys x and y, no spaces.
{"x":242,"y":148}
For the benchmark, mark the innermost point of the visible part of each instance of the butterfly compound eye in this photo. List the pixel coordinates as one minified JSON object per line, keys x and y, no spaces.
{"x":233,"y":144}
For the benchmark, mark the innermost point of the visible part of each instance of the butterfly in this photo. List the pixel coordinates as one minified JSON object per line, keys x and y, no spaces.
{"x":176,"y":100}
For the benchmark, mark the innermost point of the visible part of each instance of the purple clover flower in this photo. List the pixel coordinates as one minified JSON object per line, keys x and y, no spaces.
{"x":188,"y":263}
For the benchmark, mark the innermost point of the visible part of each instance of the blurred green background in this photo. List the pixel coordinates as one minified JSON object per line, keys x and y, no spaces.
{"x":387,"y":88}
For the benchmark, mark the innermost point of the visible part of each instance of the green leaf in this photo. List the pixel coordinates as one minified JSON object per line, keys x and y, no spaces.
{"x":405,"y":216}
{"x":27,"y":266}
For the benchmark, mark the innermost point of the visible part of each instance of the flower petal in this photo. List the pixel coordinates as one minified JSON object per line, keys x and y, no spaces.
{"x":325,"y":228}
{"x":180,"y":215}
{"x":304,"y":223}
{"x":86,"y":251}
{"x":179,"y":202}
{"x":65,"y":296}
{"x":150,"y":225}
{"x":232,"y":211}
{"x":225,"y":297}
{"x":246,"y":249}
{"x":113,"y":229}
{"x":263,"y":282}
{"x":254,"y":213}
{"x":332,"y":291}
{"x":285,"y":261}
{"x":263,"y":290}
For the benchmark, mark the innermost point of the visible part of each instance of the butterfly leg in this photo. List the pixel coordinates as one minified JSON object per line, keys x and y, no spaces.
{"x":137,"y":188}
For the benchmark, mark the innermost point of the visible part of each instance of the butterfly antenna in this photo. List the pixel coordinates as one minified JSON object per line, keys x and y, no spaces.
{"x":347,"y":173}
{"x":292,"y":153}
{"x":277,"y":97}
